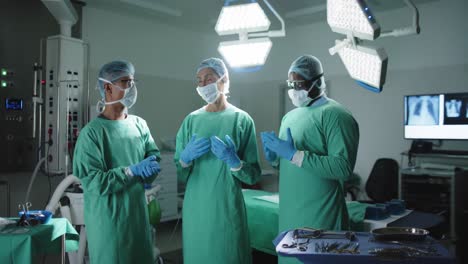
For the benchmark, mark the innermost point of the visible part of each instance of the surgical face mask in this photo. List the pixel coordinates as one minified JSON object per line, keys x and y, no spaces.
{"x":128,"y":100}
{"x":210,"y":92}
{"x":300,"y":98}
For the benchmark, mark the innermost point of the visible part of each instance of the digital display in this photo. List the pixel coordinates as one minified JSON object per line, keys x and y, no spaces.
{"x":14,"y":104}
{"x":436,"y":116}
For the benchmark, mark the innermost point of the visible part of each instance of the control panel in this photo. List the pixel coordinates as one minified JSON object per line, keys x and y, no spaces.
{"x":63,"y":100}
{"x":18,"y":151}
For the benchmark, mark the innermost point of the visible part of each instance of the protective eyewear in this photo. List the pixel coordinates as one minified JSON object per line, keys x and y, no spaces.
{"x":302,"y":84}
{"x":126,"y":83}
{"x":296,"y":84}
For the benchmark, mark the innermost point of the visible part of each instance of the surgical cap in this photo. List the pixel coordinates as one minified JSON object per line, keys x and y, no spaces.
{"x":309,"y":67}
{"x":216,"y":64}
{"x":113,"y":71}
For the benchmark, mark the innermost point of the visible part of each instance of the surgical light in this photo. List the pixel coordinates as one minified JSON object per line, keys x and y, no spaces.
{"x":250,"y":22}
{"x":245,"y":53}
{"x":352,"y":17}
{"x":365,"y":64}
{"x":241,"y":18}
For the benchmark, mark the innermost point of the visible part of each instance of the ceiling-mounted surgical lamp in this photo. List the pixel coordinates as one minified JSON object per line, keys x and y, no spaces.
{"x":250,"y":22}
{"x":245,"y":53}
{"x":366,"y":64}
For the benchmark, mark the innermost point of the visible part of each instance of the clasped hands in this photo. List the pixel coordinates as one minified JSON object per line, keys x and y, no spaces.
{"x":197,"y":147}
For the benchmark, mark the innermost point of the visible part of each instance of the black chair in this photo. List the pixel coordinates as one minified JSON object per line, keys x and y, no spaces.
{"x":382,"y":184}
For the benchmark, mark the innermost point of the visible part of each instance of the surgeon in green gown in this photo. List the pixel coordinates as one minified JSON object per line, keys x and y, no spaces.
{"x":114,"y":157}
{"x":216,"y":151}
{"x":315,"y":151}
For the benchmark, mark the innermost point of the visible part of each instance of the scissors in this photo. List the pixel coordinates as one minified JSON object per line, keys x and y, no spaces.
{"x":301,"y":246}
{"x":25,"y":219}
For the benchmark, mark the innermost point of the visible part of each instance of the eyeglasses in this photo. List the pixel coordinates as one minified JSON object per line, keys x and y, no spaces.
{"x":296,"y":84}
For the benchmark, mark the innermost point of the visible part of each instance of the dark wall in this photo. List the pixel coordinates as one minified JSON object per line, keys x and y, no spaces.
{"x":22,"y":26}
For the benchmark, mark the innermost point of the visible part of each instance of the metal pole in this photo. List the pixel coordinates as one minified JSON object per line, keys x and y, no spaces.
{"x":63,"y":249}
{"x":87,"y":113}
{"x":35,"y":66}
{"x":39,"y":144}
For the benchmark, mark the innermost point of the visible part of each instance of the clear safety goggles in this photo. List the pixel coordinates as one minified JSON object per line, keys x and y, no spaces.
{"x":301,"y":84}
{"x":125,"y":83}
{"x":296,"y":84}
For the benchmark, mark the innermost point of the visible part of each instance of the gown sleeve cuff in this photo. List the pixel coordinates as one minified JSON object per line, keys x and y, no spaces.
{"x":128,"y":172}
{"x":237,"y":169}
{"x":298,"y":158}
{"x":184,"y":165}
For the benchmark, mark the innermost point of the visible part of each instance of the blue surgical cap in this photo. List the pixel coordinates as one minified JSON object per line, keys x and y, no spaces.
{"x":216,"y":64}
{"x":309,"y":67}
{"x":113,"y":71}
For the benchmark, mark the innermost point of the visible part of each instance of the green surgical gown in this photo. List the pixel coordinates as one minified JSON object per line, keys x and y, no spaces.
{"x":214,"y":216}
{"x":312,"y":195}
{"x":115,"y":210}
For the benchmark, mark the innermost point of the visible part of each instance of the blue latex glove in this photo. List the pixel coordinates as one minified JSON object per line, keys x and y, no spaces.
{"x":146,"y":168}
{"x":269,"y":155}
{"x":226,"y":153}
{"x":194,"y":149}
{"x":283,"y":148}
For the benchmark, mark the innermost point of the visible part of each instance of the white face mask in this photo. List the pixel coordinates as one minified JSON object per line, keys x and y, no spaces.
{"x":128,"y":100}
{"x":210,"y":92}
{"x":301,"y":98}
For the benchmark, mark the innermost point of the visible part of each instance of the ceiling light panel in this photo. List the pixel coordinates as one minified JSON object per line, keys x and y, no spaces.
{"x":352,"y":16}
{"x":365,"y":64}
{"x":241,"y":18}
{"x":245,"y":53}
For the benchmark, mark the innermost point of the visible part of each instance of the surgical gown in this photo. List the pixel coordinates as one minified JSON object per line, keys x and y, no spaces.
{"x":214,"y":216}
{"x":312,"y":195}
{"x":115,"y":210}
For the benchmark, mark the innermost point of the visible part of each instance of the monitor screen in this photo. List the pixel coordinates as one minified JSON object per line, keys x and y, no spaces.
{"x":13,"y":104}
{"x":436,"y":116}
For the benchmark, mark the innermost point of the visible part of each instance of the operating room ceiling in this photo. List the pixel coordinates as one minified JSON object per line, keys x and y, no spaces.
{"x":201,"y":15}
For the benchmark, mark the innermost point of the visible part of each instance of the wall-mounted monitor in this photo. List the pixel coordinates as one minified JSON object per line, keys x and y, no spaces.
{"x":436,"y":116}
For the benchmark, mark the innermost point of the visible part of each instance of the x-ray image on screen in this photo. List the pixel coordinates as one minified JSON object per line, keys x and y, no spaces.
{"x":453,"y":107}
{"x":456,"y":109}
{"x":436,"y":116}
{"x":423,"y":110}
{"x":466,"y":109}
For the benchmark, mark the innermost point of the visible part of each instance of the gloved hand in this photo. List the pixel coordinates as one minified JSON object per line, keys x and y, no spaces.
{"x":283,"y":148}
{"x":194,"y":149}
{"x":226,"y":153}
{"x":269,"y":155}
{"x":146,"y":168}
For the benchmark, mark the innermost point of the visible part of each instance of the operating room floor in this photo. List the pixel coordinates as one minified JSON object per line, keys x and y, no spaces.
{"x":169,"y":242}
{"x":175,"y":257}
